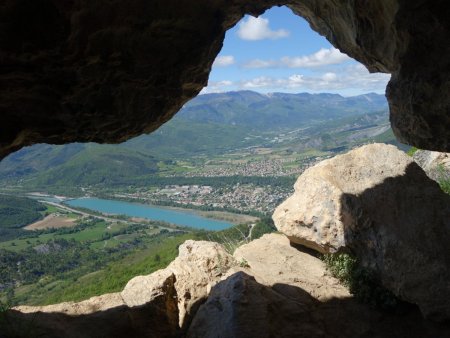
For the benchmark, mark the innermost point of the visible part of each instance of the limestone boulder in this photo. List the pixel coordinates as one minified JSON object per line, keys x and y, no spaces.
{"x":241,"y":307}
{"x":277,"y":290}
{"x":272,"y":261}
{"x":435,"y":164}
{"x":376,"y":202}
{"x":199,"y":265}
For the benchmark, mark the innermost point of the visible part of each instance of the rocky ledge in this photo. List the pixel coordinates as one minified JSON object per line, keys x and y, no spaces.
{"x":266,"y":289}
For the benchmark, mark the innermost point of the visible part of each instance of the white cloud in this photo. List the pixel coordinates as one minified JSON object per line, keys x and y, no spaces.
{"x":223,"y":61}
{"x":351,"y":79}
{"x":258,"y":63}
{"x":295,"y":80}
{"x":258,"y":29}
{"x":258,"y":82}
{"x":329,"y":77}
{"x":354,"y":77}
{"x":323,"y":57}
{"x":217,"y":87}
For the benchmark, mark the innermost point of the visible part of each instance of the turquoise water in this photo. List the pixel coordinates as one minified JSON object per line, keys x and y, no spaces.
{"x":150,"y":212}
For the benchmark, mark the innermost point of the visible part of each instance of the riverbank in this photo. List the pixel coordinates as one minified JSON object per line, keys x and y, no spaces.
{"x":213,"y":214}
{"x":181,"y":217}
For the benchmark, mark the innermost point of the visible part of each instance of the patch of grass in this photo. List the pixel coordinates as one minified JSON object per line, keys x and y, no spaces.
{"x":49,"y":209}
{"x":264,"y":226}
{"x":240,"y":234}
{"x":230,"y":238}
{"x":243,"y":263}
{"x":92,"y":233}
{"x":444,"y":178}
{"x":411,"y":151}
{"x":362,"y":283}
{"x":445,"y":185}
{"x":341,"y":266}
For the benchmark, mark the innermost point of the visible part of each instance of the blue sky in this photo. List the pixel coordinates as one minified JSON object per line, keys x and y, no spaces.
{"x":279,"y":52}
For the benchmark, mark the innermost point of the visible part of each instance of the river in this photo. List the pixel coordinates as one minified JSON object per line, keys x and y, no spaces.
{"x":178,"y":217}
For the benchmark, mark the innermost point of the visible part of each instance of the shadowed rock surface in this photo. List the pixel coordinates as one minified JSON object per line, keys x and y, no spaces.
{"x":376,"y":202}
{"x":106,"y":71}
{"x":104,"y":316}
{"x":242,"y":307}
{"x":284,"y":292}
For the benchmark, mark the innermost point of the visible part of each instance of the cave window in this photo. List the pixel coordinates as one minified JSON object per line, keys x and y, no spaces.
{"x":214,"y":154}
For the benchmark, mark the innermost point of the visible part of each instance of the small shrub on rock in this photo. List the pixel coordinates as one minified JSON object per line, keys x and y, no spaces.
{"x":361,"y":281}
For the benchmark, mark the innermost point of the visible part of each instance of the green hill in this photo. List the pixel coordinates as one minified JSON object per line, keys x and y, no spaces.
{"x":180,"y":139}
{"x":98,"y":165}
{"x":277,"y":110}
{"x":16,"y":212}
{"x":208,"y":126}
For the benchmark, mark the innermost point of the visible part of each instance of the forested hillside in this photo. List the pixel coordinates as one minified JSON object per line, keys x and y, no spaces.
{"x":16,"y":212}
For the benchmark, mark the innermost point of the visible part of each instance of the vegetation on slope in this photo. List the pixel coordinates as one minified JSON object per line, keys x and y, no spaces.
{"x":411,"y":151}
{"x":445,"y":185}
{"x":238,"y":235}
{"x":94,"y":258}
{"x":361,"y":282}
{"x":277,"y":110}
{"x":111,"y":277}
{"x":16,"y":212}
{"x":210,"y":125}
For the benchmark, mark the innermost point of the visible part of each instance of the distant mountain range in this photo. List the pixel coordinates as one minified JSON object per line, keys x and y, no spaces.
{"x":210,"y":124}
{"x":277,"y":110}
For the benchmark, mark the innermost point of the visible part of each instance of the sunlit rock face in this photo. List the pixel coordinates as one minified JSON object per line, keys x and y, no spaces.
{"x":106,"y":71}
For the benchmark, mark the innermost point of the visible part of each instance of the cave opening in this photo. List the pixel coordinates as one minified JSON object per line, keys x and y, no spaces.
{"x":240,"y":166}
{"x":280,"y":98}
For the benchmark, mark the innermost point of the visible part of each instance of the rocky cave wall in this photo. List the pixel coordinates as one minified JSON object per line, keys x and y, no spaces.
{"x":108,"y":70}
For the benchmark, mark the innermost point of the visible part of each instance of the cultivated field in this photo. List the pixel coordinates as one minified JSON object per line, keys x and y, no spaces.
{"x":52,"y":221}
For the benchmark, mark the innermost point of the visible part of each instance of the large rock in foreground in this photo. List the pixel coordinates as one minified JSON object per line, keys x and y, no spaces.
{"x":269,"y":289}
{"x":378,"y":203}
{"x":199,"y":265}
{"x":279,"y":291}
